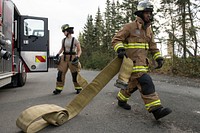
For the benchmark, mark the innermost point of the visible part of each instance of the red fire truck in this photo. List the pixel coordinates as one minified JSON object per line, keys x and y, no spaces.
{"x":24,"y":45}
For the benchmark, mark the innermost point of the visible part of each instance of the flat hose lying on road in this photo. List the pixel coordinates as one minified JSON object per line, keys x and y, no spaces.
{"x":38,"y":117}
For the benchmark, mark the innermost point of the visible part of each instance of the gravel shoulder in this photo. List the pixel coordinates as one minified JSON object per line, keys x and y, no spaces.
{"x":177,"y":80}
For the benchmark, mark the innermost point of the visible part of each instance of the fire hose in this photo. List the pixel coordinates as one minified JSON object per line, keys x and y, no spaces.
{"x":38,"y":117}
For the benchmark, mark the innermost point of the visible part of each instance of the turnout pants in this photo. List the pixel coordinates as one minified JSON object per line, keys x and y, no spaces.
{"x":138,"y":81}
{"x":63,"y":67}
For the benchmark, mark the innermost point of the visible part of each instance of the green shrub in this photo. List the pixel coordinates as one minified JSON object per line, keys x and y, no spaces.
{"x":97,"y":61}
{"x":182,"y":67}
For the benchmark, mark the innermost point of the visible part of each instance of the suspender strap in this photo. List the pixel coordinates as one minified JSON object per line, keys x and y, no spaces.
{"x":63,"y":45}
{"x":71,"y":48}
{"x":70,"y":52}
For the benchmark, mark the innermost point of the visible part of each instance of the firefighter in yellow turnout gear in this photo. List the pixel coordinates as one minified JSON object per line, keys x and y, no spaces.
{"x":132,"y":43}
{"x":71,"y":50}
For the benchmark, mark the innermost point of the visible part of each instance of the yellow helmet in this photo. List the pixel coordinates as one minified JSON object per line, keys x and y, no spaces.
{"x":144,"y":5}
{"x":66,"y":27}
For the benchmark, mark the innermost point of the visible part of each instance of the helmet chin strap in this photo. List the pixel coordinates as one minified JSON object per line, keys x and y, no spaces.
{"x":68,"y":34}
{"x":146,"y":24}
{"x":140,"y":14}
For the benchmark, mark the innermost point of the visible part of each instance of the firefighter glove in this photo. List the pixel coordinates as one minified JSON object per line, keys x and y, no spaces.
{"x":57,"y":56}
{"x":7,"y":55}
{"x":160,"y":62}
{"x":57,"y":59}
{"x":121,"y":53}
{"x":75,"y":60}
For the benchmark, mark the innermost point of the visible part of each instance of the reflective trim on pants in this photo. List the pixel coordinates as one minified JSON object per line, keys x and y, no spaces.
{"x":152,"y":104}
{"x":59,"y":88}
{"x":78,"y":88}
{"x":122,"y":97}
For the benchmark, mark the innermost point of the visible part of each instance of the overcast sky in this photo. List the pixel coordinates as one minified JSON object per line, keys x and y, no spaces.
{"x":59,"y":12}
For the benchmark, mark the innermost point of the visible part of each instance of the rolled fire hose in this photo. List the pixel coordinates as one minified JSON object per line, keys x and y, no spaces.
{"x":38,"y":117}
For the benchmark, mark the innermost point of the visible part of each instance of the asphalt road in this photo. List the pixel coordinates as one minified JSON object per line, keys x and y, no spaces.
{"x":102,"y":115}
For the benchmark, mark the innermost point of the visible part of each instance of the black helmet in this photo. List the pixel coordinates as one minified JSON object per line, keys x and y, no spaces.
{"x":144,"y":5}
{"x":66,"y":27}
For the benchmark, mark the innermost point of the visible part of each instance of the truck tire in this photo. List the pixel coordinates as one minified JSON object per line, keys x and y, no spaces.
{"x":21,"y":77}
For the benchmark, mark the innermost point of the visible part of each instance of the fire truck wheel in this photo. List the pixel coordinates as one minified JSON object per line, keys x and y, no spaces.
{"x":21,"y":77}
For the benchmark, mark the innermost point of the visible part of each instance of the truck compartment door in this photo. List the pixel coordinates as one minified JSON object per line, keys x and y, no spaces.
{"x":34,"y":43}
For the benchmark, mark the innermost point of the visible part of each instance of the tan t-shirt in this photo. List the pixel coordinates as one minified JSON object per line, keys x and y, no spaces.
{"x":68,"y":42}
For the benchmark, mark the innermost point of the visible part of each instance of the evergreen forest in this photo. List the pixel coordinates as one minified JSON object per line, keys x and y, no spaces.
{"x":176,"y":28}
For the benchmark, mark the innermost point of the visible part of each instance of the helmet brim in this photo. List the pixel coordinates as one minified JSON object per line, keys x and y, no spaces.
{"x":145,"y":10}
{"x":70,"y":28}
{"x":67,"y":29}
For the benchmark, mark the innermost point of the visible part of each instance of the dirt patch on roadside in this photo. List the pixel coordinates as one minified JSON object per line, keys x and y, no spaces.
{"x":178,"y":80}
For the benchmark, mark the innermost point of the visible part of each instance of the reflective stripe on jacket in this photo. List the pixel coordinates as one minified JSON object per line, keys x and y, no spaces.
{"x":137,"y":45}
{"x":119,"y":45}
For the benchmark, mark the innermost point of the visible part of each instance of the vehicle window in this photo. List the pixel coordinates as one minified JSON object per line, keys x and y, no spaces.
{"x":33,"y":27}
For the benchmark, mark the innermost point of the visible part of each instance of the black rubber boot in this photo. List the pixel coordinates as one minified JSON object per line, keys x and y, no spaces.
{"x":161,"y":112}
{"x":78,"y":91}
{"x":124,"y":105}
{"x":56,"y":91}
